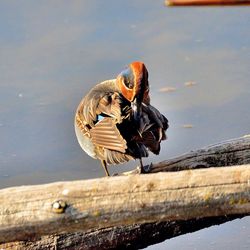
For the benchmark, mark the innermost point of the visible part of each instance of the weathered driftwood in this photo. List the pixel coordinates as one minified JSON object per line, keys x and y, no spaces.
{"x":228,"y":153}
{"x":127,"y":236}
{"x":124,"y":237}
{"x":30,"y":211}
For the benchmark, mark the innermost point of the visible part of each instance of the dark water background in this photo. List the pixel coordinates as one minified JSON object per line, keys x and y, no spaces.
{"x":53,"y":52}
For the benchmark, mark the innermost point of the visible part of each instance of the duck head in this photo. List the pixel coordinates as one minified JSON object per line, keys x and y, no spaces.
{"x":133,"y":84}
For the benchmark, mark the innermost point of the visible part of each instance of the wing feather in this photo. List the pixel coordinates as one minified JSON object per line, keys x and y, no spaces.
{"x":106,"y":134}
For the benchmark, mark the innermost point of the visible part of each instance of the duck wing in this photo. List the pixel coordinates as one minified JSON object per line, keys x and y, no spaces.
{"x":152,"y":128}
{"x":110,"y":105}
{"x":105,"y":134}
{"x":102,"y":99}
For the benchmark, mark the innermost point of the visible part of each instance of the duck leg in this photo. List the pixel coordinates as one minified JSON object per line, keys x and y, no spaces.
{"x":104,"y":165}
{"x":145,"y":169}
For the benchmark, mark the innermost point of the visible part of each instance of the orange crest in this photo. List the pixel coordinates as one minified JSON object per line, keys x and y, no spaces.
{"x":133,"y":82}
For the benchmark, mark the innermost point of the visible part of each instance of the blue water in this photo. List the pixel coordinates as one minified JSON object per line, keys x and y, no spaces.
{"x":53,"y":52}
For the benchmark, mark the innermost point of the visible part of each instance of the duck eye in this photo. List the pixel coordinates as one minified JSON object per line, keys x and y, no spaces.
{"x":128,"y":83}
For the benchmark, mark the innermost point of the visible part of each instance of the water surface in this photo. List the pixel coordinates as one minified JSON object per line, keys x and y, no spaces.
{"x":52,"y":53}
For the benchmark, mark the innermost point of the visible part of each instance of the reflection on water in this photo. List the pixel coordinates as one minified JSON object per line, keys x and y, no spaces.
{"x":51,"y":53}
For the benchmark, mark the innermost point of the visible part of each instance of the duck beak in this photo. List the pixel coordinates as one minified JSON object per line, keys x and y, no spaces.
{"x":136,"y":108}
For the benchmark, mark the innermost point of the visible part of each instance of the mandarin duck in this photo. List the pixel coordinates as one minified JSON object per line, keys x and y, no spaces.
{"x":115,"y":121}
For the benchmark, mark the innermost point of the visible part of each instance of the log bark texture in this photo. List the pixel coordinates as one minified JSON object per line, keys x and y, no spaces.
{"x":124,"y":237}
{"x":228,"y":153}
{"x":179,"y":222}
{"x":33,"y":211}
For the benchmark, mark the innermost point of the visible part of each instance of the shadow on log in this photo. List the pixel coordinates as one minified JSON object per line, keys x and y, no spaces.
{"x":187,"y":201}
{"x":125,"y":237}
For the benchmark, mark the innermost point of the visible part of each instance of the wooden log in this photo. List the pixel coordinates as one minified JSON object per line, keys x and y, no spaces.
{"x":228,"y":153}
{"x":136,"y":236}
{"x":32,"y":211}
{"x":232,"y":152}
{"x":205,"y":2}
